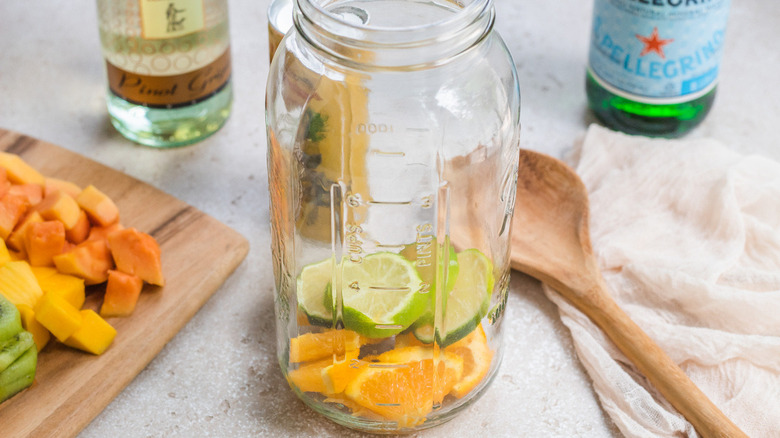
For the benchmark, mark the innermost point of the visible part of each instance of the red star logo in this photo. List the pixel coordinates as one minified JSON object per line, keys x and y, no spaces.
{"x":653,"y":43}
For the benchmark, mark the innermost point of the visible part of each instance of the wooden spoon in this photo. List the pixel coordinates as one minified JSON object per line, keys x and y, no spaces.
{"x":551,"y":242}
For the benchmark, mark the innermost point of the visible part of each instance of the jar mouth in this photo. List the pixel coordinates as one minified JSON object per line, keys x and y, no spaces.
{"x":348,"y":27}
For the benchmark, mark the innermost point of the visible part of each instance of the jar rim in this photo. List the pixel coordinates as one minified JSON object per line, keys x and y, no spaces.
{"x":466,"y":12}
{"x":465,"y":26}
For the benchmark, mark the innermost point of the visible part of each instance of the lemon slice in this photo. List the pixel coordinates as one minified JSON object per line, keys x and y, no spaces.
{"x":381,"y":294}
{"x":313,"y":285}
{"x":466,"y":303}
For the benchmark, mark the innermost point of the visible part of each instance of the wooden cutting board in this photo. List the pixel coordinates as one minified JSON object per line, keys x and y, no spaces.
{"x":198,"y":254}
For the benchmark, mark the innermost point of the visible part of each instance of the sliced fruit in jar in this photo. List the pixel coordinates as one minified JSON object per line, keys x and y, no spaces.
{"x":313,"y":346}
{"x":400,"y":385}
{"x":310,"y":377}
{"x":466,"y":303}
{"x":337,"y":376}
{"x":477,"y":357}
{"x":381,"y":294}
{"x":312,"y":286}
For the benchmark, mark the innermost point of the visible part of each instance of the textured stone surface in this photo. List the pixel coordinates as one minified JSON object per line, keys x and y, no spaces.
{"x":219,"y":376}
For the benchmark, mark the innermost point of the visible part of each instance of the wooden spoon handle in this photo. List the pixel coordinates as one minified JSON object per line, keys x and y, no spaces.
{"x":655,"y":364}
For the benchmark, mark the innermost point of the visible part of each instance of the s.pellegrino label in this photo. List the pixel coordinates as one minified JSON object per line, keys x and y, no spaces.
{"x":657,"y":51}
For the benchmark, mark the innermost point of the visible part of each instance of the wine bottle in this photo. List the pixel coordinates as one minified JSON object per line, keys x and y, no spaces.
{"x":168,"y":67}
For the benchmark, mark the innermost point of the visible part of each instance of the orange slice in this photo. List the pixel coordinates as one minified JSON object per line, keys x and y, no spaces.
{"x":477,"y":357}
{"x":313,"y":346}
{"x":402,"y":385}
{"x":338,"y":375}
{"x":308,"y":377}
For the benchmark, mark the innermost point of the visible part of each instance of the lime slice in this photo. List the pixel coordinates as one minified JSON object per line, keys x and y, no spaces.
{"x":313,"y":286}
{"x":381,"y":294}
{"x":466,"y":303}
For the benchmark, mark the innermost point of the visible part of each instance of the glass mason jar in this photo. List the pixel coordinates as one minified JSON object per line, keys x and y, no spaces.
{"x":393,"y":135}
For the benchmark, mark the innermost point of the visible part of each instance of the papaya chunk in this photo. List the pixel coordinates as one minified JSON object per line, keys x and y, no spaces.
{"x":137,"y":253}
{"x":122,"y":292}
{"x":59,"y":206}
{"x":44,"y":241}
{"x":4,"y":183}
{"x":99,"y":207}
{"x":80,"y":231}
{"x":101,"y":233}
{"x":33,"y":192}
{"x":17,"y":239}
{"x":18,"y":171}
{"x":89,"y":260}
{"x":54,"y":184}
{"x":12,"y":208}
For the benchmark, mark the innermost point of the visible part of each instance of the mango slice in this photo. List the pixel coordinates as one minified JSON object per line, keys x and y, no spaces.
{"x":67,"y":286}
{"x":41,"y":335}
{"x":18,"y":284}
{"x":94,"y":336}
{"x":58,"y":316}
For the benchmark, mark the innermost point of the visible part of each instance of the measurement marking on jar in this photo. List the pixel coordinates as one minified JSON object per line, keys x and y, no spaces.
{"x":389,"y":327}
{"x":389,"y":153}
{"x":353,"y":243}
{"x":387,"y":404}
{"x":390,"y":289}
{"x":418,"y":129}
{"x":388,"y":365}
{"x":373,"y":128}
{"x":390,"y":202}
{"x":387,"y":246}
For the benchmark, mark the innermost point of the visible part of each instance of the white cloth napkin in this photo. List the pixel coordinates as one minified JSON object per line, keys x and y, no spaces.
{"x":687,"y":235}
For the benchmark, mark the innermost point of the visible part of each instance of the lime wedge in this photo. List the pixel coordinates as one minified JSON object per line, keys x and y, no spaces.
{"x":466,"y":303}
{"x":381,"y":294}
{"x":313,"y":285}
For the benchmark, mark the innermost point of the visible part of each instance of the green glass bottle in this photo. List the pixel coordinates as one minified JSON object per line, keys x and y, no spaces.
{"x":168,"y":67}
{"x":653,"y":65}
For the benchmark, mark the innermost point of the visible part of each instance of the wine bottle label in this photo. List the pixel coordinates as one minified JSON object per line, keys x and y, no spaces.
{"x":170,"y":91}
{"x":657,"y":51}
{"x":170,"y":18}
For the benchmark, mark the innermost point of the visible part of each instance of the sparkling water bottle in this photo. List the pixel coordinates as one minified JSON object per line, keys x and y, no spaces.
{"x":653,"y":64}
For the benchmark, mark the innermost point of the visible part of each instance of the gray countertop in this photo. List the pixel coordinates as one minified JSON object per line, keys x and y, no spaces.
{"x":219,"y":376}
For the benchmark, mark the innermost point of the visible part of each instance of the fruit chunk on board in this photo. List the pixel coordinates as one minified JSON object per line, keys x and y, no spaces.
{"x":58,"y":238}
{"x":18,"y":352}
